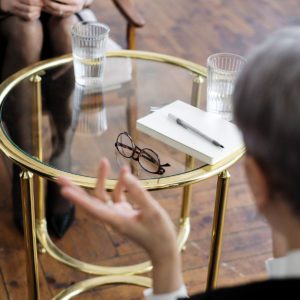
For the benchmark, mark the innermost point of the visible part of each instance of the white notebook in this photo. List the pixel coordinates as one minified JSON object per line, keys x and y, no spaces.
{"x":160,"y":126}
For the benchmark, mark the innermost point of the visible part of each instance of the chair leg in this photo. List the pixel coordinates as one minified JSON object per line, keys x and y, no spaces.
{"x":131,"y":36}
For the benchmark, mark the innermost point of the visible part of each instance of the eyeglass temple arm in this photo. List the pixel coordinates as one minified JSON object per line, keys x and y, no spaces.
{"x":166,"y":165}
{"x":123,"y":145}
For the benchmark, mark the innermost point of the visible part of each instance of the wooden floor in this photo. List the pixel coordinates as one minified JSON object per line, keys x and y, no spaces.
{"x":191,"y":29}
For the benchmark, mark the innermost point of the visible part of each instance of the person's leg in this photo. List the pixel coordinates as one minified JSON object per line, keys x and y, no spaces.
{"x":60,"y":213}
{"x":23,"y":43}
{"x":59,"y":30}
{"x":59,"y":35}
{"x":58,"y":82}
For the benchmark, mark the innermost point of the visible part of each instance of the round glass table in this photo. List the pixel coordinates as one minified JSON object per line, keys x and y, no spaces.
{"x":51,"y":126}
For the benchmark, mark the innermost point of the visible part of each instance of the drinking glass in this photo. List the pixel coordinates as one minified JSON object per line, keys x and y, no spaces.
{"x":89,"y":47}
{"x":223,"y":69}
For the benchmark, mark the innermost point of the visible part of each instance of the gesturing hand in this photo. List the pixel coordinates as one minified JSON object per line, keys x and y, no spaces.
{"x":145,"y":221}
{"x":26,"y":9}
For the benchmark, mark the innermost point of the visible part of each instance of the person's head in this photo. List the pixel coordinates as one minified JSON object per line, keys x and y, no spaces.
{"x":267,"y":110}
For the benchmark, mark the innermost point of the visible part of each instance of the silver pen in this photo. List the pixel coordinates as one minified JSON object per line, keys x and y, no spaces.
{"x":195,"y":130}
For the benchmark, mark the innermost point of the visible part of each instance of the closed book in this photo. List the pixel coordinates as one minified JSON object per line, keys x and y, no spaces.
{"x":162,"y":126}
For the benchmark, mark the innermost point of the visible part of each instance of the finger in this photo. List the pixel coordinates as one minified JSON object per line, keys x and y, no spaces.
{"x":118,"y":193}
{"x":56,"y":13}
{"x":66,"y":2}
{"x":70,"y":2}
{"x":100,"y":191}
{"x":34,"y":16}
{"x":96,"y":208}
{"x":58,"y":9}
{"x":137,"y":192}
{"x":65,"y":182}
{"x":118,"y":217}
{"x":26,"y":8}
{"x":56,"y":5}
{"x":53,"y":9}
{"x":31,"y":3}
{"x":27,"y":16}
{"x":120,"y":221}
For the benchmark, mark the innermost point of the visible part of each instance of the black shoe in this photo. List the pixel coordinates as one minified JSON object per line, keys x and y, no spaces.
{"x":59,"y":223}
{"x":60,"y":212}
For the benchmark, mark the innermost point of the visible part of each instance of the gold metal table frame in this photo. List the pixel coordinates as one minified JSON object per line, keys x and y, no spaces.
{"x":35,"y":228}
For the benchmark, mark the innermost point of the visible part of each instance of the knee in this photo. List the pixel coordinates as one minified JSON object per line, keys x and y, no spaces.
{"x":25,"y":38}
{"x":24,"y":32}
{"x":60,"y":33}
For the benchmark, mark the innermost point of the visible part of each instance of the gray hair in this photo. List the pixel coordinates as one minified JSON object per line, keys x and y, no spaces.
{"x":267,"y":110}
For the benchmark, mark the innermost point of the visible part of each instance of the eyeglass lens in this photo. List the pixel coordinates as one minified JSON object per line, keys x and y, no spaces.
{"x":149,"y":160}
{"x":125,"y":145}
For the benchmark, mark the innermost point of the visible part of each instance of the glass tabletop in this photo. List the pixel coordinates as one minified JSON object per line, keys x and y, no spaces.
{"x":80,"y":124}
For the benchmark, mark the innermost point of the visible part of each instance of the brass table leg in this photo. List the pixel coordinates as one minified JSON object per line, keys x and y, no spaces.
{"x":185,"y":216}
{"x":30,"y":234}
{"x":189,"y":164}
{"x":37,"y":110}
{"x":217,"y":229}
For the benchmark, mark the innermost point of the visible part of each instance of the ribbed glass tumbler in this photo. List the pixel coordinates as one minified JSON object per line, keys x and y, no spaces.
{"x":89,"y":48}
{"x":223,"y":69}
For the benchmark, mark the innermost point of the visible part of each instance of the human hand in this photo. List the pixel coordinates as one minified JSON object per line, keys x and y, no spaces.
{"x":142,"y":219}
{"x":63,"y":7}
{"x":25,"y":9}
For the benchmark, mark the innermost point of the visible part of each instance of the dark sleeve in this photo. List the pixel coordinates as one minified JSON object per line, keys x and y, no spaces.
{"x":269,"y":289}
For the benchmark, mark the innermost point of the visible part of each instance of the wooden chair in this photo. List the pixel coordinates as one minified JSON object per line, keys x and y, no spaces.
{"x":133,"y":17}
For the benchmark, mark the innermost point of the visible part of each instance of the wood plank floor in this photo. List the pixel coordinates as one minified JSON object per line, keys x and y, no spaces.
{"x":190,"y":29}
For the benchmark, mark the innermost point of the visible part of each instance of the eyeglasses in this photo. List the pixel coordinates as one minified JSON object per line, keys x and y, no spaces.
{"x":146,"y":157}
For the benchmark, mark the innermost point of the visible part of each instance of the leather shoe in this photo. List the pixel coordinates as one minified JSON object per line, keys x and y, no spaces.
{"x":59,"y":223}
{"x":60,"y":212}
